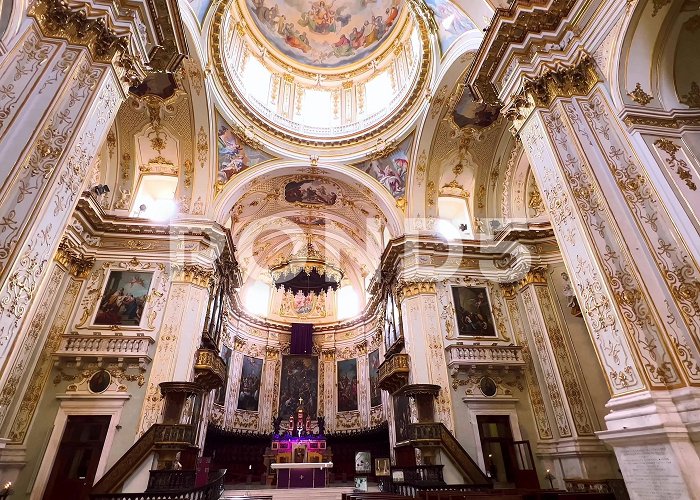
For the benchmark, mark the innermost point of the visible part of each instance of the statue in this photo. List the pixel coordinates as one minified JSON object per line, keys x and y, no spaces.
{"x":321,"y":421}
{"x":276,"y":422}
{"x":570,"y":295}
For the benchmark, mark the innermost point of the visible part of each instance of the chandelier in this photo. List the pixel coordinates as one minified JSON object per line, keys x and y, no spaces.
{"x":306,"y":271}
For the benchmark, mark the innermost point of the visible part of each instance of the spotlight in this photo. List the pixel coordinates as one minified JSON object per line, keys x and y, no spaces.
{"x":100,"y":189}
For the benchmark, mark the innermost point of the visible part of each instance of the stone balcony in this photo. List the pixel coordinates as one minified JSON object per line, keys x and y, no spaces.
{"x":393,"y":372}
{"x":101,"y":347}
{"x":459,"y":355}
{"x":209,"y":369}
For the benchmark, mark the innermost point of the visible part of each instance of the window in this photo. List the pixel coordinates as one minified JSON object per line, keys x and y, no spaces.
{"x":257,"y":298}
{"x":155,"y":197}
{"x":453,"y":212}
{"x":348,"y":302}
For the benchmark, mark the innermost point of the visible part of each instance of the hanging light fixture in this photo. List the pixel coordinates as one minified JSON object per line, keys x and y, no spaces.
{"x":307,"y":271}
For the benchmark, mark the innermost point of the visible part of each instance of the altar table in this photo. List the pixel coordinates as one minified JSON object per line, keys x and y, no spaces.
{"x":301,"y":475}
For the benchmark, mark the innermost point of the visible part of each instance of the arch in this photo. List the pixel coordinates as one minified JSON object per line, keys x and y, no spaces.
{"x":646,"y":58}
{"x":235,"y":189}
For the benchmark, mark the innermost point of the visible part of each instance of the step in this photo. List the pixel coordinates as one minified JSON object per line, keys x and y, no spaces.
{"x":331,"y":493}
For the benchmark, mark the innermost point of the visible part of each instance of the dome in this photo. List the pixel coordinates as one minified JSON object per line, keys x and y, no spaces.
{"x":321,"y":72}
{"x":324,"y":34}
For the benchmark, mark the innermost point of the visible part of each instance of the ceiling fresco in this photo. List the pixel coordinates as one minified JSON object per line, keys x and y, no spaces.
{"x":451,"y":21}
{"x":390,"y":169}
{"x":234,"y":154}
{"x":325,"y":34}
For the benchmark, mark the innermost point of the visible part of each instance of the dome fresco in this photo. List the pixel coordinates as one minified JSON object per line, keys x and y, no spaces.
{"x":325,"y":33}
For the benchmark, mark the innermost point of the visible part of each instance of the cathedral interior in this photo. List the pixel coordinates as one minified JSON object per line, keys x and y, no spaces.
{"x":437,"y":249}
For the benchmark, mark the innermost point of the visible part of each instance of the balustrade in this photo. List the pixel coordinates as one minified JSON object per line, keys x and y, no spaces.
{"x":484,"y":354}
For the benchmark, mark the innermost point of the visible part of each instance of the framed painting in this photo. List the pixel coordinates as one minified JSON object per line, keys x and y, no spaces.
{"x":347,"y":385}
{"x":473,"y":311}
{"x":402,"y":418}
{"x":124,"y":298}
{"x":299,"y":381}
{"x":249,"y":393}
{"x":363,"y":462}
{"x":223,"y":390}
{"x":375,"y":394}
{"x":382,"y":467}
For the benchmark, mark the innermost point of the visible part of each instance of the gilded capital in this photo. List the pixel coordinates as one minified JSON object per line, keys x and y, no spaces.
{"x":75,"y":264}
{"x":536,"y":276}
{"x":193,"y":273}
{"x":509,"y":290}
{"x":407,"y":289}
{"x":272,"y":352}
{"x":577,"y":80}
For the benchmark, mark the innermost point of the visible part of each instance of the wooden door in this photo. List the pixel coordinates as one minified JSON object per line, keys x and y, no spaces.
{"x":77,"y":457}
{"x":496,"y":443}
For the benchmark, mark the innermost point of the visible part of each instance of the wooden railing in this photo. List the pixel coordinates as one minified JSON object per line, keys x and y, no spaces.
{"x":436,"y":434}
{"x":211,"y":491}
{"x":393,"y":373}
{"x":159,"y":435}
{"x":171,"y":480}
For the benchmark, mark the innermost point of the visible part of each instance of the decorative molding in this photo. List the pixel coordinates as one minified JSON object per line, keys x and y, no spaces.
{"x":681,"y":166}
{"x":70,"y":259}
{"x":408,"y":289}
{"x":570,"y":81}
{"x":639,"y":96}
{"x":193,"y":273}
{"x":692,"y":98}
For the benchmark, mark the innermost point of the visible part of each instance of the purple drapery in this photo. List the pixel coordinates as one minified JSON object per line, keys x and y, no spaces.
{"x":301,"y":338}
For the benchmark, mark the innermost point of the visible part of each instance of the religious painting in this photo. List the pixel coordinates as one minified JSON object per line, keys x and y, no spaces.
{"x":299,"y":380}
{"x":99,"y":381}
{"x":233,"y":155}
{"x":347,"y":385}
{"x":375,"y":393}
{"x":363,"y":462}
{"x":382,"y":467}
{"x":391,"y":170}
{"x":307,"y":220}
{"x":299,"y":305}
{"x":325,"y":33}
{"x":451,"y":21}
{"x":311,"y":192}
{"x":251,"y":374}
{"x":124,"y":298}
{"x":469,"y":113}
{"x":473,"y":310}
{"x":402,"y":418}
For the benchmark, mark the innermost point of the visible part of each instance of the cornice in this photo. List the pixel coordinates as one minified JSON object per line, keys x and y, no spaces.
{"x":510,"y":27}
{"x":101,"y":234}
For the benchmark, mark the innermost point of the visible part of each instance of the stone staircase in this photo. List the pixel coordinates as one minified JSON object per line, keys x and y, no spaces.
{"x":332,"y":493}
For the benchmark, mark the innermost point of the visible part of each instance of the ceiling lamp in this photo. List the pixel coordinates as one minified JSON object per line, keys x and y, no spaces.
{"x":306,"y":271}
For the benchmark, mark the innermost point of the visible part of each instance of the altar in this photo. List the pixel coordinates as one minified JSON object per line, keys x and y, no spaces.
{"x":301,"y":475}
{"x":298,"y":456}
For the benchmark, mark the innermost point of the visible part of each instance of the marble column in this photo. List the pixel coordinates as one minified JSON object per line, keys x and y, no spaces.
{"x":636,"y":280}
{"x":59,"y":93}
{"x":328,"y":401}
{"x":420,"y":320}
{"x":269,"y":390}
{"x":576,"y":451}
{"x":178,"y":339}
